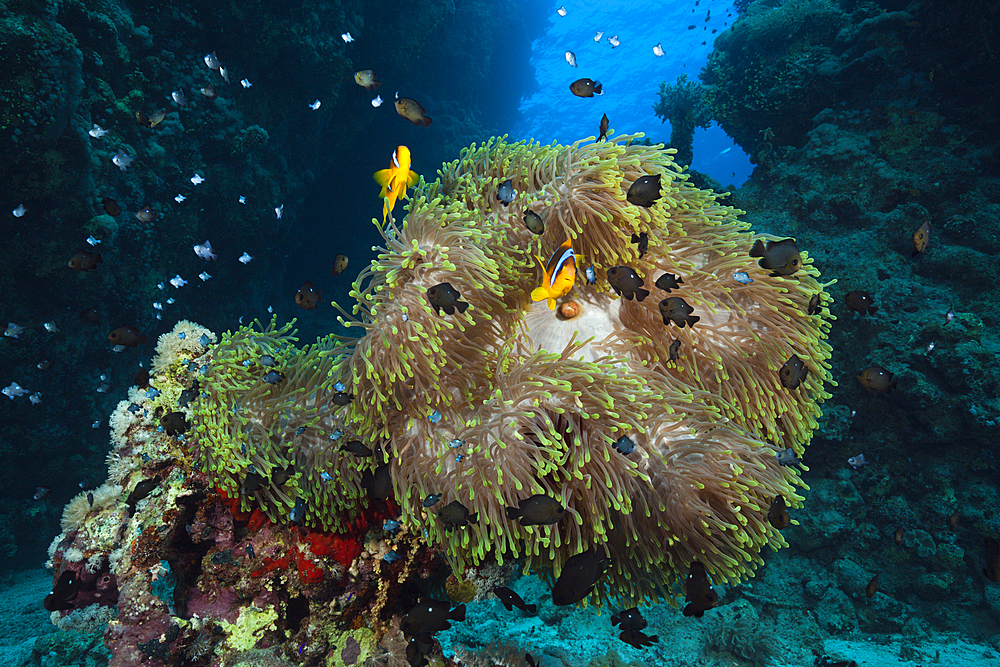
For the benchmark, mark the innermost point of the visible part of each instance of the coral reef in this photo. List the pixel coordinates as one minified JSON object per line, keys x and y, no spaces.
{"x":865,"y":121}
{"x":179,"y":574}
{"x":685,"y":105}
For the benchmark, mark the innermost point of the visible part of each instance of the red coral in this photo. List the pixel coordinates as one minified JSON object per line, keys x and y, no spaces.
{"x":342,"y":548}
{"x":257,"y":520}
{"x":270,"y":565}
{"x":309,"y":571}
{"x":233,"y":504}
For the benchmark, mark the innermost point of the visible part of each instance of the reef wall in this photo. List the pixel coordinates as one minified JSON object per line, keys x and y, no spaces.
{"x":69,"y":66}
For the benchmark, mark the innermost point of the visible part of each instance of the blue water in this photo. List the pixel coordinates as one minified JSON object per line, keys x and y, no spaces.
{"x":630,"y":73}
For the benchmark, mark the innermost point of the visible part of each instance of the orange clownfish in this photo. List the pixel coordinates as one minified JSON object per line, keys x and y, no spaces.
{"x":558,"y":275}
{"x":395,"y":179}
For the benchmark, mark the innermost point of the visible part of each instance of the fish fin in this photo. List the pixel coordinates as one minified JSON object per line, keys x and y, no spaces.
{"x":758,"y":249}
{"x":552,"y":303}
{"x":641,"y":294}
{"x":425,"y":121}
{"x":412,"y":178}
{"x":531,"y":608}
{"x":539,"y":294}
{"x":375,"y":85}
{"x":462,"y":306}
{"x":383,"y":177}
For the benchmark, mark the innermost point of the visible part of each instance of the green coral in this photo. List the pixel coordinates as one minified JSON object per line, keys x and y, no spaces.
{"x":685,"y":104}
{"x":248,"y":628}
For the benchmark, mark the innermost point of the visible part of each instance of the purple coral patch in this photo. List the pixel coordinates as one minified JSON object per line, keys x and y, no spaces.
{"x":351,"y":651}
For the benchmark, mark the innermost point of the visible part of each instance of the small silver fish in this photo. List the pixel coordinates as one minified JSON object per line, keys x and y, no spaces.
{"x":19,"y":211}
{"x":858,"y":461}
{"x":179,"y":98}
{"x":212,"y":61}
{"x":742,"y":277}
{"x":571,"y":58}
{"x":658,"y":50}
{"x":613,"y":41}
{"x":561,"y":11}
{"x":347,"y":38}
{"x":13,"y":390}
{"x":245,"y":83}
{"x":597,"y":37}
{"x":377,"y":102}
{"x":97,"y":131}
{"x":121,"y":160}
{"x":13,"y":330}
{"x":245,"y":258}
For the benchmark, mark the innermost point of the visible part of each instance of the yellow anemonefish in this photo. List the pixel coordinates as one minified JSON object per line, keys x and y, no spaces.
{"x":558,"y":275}
{"x":395,"y":179}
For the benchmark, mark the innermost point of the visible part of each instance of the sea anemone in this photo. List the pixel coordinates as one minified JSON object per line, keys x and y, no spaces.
{"x":265,"y":427}
{"x":509,"y":399}
{"x":659,"y":441}
{"x":88,"y":504}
